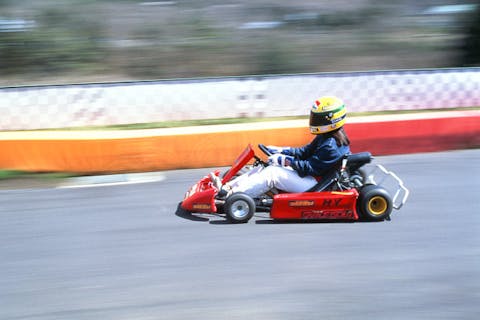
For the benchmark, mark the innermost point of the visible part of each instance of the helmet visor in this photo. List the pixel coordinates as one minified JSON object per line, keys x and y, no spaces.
{"x":318,"y":119}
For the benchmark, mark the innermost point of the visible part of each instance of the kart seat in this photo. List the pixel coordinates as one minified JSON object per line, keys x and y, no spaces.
{"x":324,"y":182}
{"x":357,"y":158}
{"x":354,"y":162}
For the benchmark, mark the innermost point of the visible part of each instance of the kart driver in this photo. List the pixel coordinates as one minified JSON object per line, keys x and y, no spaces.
{"x":298,"y":169}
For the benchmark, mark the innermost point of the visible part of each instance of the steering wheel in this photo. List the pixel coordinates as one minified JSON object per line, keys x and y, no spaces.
{"x":264,"y":149}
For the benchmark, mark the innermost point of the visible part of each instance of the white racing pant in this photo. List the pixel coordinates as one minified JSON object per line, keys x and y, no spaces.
{"x":260,"y":180}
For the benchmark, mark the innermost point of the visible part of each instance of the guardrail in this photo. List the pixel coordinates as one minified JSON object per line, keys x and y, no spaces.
{"x":78,"y":105}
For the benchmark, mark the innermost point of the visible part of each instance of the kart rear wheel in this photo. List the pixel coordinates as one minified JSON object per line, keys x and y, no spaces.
{"x":239,"y":208}
{"x":374,"y":203}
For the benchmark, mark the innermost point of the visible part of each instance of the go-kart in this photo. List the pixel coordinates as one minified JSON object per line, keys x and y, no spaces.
{"x":347,"y":192}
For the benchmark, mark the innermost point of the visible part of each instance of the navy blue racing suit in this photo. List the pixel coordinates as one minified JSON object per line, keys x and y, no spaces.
{"x":317,"y":157}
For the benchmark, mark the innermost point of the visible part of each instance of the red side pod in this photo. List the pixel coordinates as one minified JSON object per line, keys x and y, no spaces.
{"x":200,"y":197}
{"x":328,"y":205}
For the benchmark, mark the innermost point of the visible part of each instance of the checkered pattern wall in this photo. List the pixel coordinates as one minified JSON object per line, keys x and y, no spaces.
{"x":43,"y":107}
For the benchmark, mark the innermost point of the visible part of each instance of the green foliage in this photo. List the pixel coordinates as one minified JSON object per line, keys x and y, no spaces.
{"x":60,"y":41}
{"x":471,"y":45}
{"x":126,"y":39}
{"x":273,"y":58}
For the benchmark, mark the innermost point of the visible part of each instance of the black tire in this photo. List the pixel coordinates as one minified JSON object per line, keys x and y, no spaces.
{"x":374,"y":203}
{"x":239,"y":208}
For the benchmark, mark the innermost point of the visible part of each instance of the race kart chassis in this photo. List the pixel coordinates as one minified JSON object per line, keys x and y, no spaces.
{"x":345,"y":193}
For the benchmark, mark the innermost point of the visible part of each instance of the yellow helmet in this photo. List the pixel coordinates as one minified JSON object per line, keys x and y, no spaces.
{"x":327,"y":114}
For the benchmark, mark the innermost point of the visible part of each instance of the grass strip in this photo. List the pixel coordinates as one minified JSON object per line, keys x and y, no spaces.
{"x":207,"y":122}
{"x":45,"y":176}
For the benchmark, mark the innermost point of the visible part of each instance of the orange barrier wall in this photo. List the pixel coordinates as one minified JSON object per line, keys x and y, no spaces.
{"x":164,"y":152}
{"x":413,"y":136}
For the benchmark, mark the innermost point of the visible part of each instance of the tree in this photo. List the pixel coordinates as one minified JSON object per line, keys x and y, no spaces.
{"x":471,"y":45}
{"x":62,"y":40}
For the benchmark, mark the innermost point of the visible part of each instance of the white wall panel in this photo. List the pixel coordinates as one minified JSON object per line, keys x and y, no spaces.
{"x":42,"y":107}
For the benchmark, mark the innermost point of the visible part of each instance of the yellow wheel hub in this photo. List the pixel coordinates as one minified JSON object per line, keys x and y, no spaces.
{"x":377,"y":205}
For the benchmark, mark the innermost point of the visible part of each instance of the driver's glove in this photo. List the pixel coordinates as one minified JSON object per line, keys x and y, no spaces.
{"x":280,"y":160}
{"x":275,"y":149}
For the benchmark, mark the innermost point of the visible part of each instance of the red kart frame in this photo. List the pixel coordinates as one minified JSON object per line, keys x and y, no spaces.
{"x":318,"y":205}
{"x":345,"y":193}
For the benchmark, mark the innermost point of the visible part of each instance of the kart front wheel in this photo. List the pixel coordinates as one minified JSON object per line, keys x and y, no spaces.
{"x":374,"y":203}
{"x":239,"y":208}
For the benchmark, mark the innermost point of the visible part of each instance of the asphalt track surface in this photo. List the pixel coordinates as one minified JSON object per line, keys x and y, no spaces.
{"x":125,"y":252}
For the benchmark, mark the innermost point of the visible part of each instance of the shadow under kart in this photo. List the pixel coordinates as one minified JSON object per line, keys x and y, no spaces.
{"x":347,"y":192}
